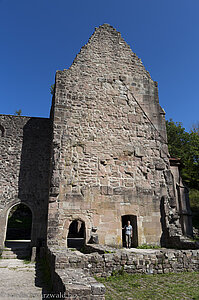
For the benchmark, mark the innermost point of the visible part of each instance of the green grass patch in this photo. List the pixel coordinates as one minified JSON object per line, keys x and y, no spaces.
{"x":27,"y":261}
{"x":146,"y":246}
{"x":109,"y":251}
{"x":160,"y":286}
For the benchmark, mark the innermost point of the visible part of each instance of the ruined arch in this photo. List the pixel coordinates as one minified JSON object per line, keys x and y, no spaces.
{"x":76,"y":234}
{"x":19,"y":222}
{"x":5,"y":216}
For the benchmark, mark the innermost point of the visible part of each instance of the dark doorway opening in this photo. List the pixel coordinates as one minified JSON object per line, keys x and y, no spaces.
{"x":133,"y":221}
{"x":18,"y":235}
{"x":19,"y":223}
{"x":76,"y":234}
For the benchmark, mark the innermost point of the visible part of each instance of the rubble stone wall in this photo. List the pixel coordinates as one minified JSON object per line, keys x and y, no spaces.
{"x":24,"y":170}
{"x":109,"y":144}
{"x":73,"y":283}
{"x":144,"y":261}
{"x":72,"y":271}
{"x":182,"y":202}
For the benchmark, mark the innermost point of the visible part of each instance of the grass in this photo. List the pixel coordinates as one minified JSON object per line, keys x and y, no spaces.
{"x":27,"y":261}
{"x":160,"y":286}
{"x":146,"y":246}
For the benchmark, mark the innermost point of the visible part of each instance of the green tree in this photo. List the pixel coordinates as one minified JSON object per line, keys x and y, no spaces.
{"x":52,"y":87}
{"x":18,"y":112}
{"x":185,"y":145}
{"x":195,"y":128}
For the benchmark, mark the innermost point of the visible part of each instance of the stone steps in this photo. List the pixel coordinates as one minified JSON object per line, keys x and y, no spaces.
{"x":8,"y":254}
{"x":188,"y":243}
{"x":20,"y":253}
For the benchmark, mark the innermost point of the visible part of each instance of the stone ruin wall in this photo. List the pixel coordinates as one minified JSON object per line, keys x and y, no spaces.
{"x":108,"y":158}
{"x":72,"y":271}
{"x":24,"y":170}
{"x":182,"y":199}
{"x":109,"y":151}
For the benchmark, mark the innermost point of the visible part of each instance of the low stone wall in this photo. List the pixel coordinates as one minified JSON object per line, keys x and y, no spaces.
{"x":72,"y":283}
{"x":73,"y":269}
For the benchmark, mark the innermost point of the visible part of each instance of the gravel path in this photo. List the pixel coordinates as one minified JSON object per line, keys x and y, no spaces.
{"x":19,"y":280}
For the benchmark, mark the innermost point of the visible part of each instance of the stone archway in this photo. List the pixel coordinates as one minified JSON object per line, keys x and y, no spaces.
{"x":133,"y":221}
{"x":76,"y":234}
{"x":19,"y":224}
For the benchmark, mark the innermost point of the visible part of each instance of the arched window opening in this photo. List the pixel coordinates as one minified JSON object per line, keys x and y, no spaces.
{"x":133,"y":222}
{"x":2,"y":131}
{"x":19,"y":223}
{"x":76,"y":234}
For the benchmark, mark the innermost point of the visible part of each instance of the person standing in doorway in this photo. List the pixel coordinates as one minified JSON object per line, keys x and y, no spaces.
{"x":128,"y":234}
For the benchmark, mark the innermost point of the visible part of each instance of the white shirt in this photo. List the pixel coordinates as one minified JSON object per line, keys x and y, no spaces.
{"x":128,"y":229}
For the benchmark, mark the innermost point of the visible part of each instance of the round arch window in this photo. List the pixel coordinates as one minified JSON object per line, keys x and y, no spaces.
{"x":76,"y":234}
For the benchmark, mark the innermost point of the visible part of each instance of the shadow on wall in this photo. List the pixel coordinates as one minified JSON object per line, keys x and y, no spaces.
{"x":164,"y":240}
{"x":34,"y":173}
{"x":2,"y":131}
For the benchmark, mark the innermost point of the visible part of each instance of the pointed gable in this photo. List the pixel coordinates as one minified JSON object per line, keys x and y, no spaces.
{"x":107,"y":49}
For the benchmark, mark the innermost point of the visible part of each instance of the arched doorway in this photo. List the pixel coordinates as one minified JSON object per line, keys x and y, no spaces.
{"x":133,"y":221}
{"x":76,"y":234}
{"x":19,"y":224}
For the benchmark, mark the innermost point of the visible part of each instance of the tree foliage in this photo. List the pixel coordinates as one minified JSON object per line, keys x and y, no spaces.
{"x":52,"y":88}
{"x":185,"y":145}
{"x":18,"y":112}
{"x":195,"y":128}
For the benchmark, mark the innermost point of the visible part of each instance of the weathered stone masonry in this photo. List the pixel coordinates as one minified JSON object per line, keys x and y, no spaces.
{"x":110,"y":155}
{"x":24,"y":170}
{"x":100,"y":157}
{"x":71,"y":271}
{"x":144,"y":261}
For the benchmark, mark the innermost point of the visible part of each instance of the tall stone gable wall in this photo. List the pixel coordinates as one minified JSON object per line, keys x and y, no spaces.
{"x":24,"y":170}
{"x":109,"y":144}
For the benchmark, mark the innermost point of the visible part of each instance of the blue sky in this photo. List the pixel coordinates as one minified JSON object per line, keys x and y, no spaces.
{"x":41,"y":36}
